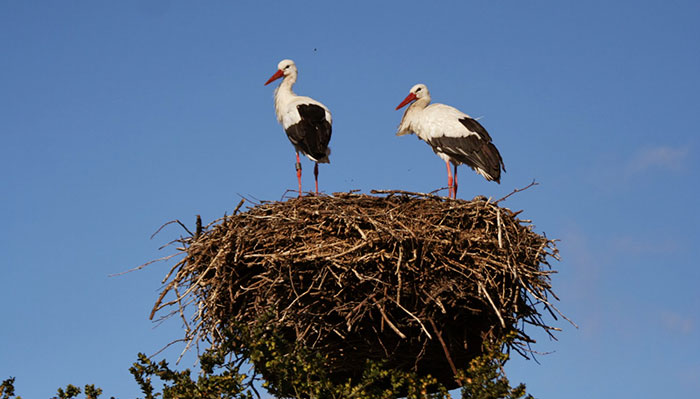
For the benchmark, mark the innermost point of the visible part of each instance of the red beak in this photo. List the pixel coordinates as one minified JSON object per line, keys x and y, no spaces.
{"x":410,"y":97}
{"x":274,"y":77}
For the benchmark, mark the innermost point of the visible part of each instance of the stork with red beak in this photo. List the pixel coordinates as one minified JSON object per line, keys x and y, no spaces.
{"x":306,"y":121}
{"x":454,"y":136}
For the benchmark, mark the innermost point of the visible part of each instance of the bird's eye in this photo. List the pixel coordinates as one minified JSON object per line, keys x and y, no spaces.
{"x":418,"y":89}
{"x":287,"y":67}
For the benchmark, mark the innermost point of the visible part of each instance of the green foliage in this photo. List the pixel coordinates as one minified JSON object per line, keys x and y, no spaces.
{"x":290,"y":371}
{"x":72,"y":392}
{"x":7,"y":389}
{"x":485,"y":378}
{"x":228,"y":383}
{"x":91,"y":392}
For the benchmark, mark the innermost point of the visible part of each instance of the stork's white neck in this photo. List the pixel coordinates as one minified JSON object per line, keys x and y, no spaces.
{"x":284,"y":95}
{"x":412,"y":114}
{"x":419,"y":104}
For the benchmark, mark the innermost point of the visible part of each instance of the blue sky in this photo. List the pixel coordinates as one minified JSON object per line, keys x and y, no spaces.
{"x":116,"y":117}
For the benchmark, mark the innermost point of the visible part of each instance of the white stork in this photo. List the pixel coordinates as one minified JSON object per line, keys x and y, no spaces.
{"x":306,"y":121}
{"x":454,"y":136}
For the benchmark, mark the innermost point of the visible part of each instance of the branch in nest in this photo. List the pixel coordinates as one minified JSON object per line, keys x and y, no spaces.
{"x":517,"y":190}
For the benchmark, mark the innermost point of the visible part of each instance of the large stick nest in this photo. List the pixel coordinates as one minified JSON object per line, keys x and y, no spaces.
{"x":417,"y":280}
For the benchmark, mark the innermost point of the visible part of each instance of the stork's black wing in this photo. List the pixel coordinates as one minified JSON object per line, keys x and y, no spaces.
{"x":474,"y":150}
{"x":312,"y":133}
{"x":475,"y":127}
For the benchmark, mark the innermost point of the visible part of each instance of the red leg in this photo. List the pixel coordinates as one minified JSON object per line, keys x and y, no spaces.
{"x":455,"y":177}
{"x":449,"y":179}
{"x":298,"y":168}
{"x":316,"y":176}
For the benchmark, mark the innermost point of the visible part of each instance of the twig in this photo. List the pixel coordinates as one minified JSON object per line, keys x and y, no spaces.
{"x":393,"y":327}
{"x":170,"y":222}
{"x":498,"y":221}
{"x":167,"y":346}
{"x":412,"y":315}
{"x":498,"y":313}
{"x":246,"y":199}
{"x":517,"y":190}
{"x":447,"y":351}
{"x":145,"y":264}
{"x":437,"y":190}
{"x":198,"y":224}
{"x":240,"y":204}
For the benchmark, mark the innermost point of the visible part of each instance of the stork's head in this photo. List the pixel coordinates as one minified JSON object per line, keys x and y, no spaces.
{"x":418,"y":91}
{"x":284,"y":68}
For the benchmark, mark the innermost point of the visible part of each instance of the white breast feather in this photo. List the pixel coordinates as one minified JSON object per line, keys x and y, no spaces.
{"x":439,"y":120}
